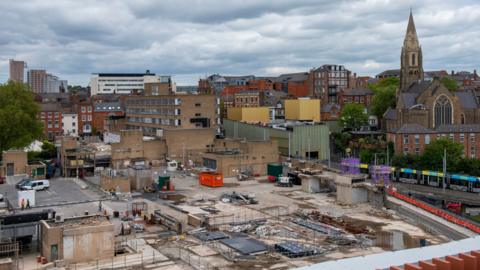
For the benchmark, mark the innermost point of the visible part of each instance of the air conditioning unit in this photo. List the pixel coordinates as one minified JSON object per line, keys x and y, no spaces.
{"x":58,"y":218}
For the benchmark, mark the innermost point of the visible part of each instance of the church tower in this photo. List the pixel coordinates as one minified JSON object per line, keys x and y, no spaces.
{"x":411,"y":58}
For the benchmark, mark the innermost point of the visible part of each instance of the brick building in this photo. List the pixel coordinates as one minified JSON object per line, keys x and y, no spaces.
{"x":249,"y":98}
{"x":328,"y":81}
{"x":16,"y":70}
{"x":153,"y":113}
{"x":413,"y":138}
{"x":357,"y":95}
{"x":102,"y":111}
{"x":51,"y":116}
{"x":85,"y":117}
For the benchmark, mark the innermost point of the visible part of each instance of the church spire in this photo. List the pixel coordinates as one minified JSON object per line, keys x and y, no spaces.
{"x":411,"y":38}
{"x":411,"y":58}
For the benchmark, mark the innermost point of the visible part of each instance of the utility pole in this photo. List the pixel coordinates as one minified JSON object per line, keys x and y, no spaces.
{"x":289,"y":151}
{"x":444,"y":167}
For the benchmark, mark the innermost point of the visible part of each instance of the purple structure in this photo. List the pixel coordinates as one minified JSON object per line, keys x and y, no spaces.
{"x":381,"y":174}
{"x":350,"y":165}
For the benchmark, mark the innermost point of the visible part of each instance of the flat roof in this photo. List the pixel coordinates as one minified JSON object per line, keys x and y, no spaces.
{"x":124,"y":74}
{"x":384,"y":260}
{"x":80,"y":221}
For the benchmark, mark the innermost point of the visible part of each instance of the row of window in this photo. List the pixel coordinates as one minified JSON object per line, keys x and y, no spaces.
{"x":155,"y":111}
{"x":417,"y":151}
{"x":252,"y":99}
{"x":451,"y":136}
{"x":158,"y":121}
{"x":86,"y":108}
{"x":50,"y":114}
{"x":154,"y":101}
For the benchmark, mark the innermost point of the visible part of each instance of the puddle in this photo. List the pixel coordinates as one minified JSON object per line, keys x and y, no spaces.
{"x":396,"y":240}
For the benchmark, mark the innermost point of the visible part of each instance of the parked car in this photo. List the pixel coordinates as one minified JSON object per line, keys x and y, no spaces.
{"x":36,"y":185}
{"x":22,"y":182}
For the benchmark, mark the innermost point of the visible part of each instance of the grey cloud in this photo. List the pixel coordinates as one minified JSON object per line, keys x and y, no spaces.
{"x":193,"y":38}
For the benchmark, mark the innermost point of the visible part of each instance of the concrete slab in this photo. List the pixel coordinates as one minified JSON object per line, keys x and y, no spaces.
{"x":203,"y":251}
{"x":246,"y":246}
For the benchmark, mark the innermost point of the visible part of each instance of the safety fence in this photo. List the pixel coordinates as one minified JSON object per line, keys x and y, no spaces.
{"x":435,"y":211}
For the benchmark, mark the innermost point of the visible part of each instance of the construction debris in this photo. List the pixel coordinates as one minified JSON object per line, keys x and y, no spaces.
{"x":294,"y":250}
{"x":238,"y":198}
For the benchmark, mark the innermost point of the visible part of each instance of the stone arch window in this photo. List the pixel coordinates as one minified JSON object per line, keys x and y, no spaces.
{"x":462,"y":119}
{"x":443,"y":111}
{"x":413,"y":59}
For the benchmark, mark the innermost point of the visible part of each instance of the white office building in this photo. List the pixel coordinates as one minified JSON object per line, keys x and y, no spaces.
{"x":70,"y":124}
{"x":122,"y":83}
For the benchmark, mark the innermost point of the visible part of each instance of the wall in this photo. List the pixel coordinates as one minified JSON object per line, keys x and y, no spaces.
{"x":51,"y":235}
{"x":302,"y":109}
{"x":302,"y":138}
{"x":86,"y":243}
{"x":254,"y":156}
{"x":249,"y":114}
{"x":19,"y":160}
{"x":189,"y":142}
{"x":117,"y":183}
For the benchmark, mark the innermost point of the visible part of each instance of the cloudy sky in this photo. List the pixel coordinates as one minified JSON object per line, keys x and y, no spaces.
{"x":192,"y":38}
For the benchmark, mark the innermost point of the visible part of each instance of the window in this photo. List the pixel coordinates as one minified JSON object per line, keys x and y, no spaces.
{"x":413,"y":60}
{"x":405,"y":150}
{"x":443,"y":111}
{"x":89,"y":109}
{"x":405,"y":139}
{"x":198,"y":104}
{"x":451,"y":137}
{"x":89,"y":117}
{"x":472,"y":137}
{"x":462,"y":138}
{"x":472,"y":152}
{"x":83,"y":109}
{"x":198,"y":114}
{"x":417,"y":139}
{"x":73,"y":130}
{"x":417,"y":150}
{"x":427,"y":139}
{"x":84,"y":118}
{"x":462,"y":119}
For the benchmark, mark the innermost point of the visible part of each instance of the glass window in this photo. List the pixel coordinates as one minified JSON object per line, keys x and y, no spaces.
{"x":427,"y":139}
{"x":83,"y":109}
{"x":89,"y":118}
{"x":462,"y":137}
{"x":405,"y":139}
{"x":417,"y":139}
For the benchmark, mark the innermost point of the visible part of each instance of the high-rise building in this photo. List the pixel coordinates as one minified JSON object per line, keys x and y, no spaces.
{"x":123,"y":83}
{"x":16,"y":73}
{"x":37,"y":79}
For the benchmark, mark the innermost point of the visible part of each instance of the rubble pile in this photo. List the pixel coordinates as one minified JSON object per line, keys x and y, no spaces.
{"x":238,"y":198}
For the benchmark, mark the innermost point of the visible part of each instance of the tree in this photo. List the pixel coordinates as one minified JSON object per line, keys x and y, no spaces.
{"x":432,"y":157}
{"x":353,"y":116}
{"x":18,"y":116}
{"x":470,"y":166}
{"x":384,"y":95}
{"x":449,"y":83}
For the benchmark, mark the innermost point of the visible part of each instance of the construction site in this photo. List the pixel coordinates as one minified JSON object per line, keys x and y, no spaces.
{"x":190,"y":222}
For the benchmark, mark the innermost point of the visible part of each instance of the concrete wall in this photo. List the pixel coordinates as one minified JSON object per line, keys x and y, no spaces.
{"x":88,"y":243}
{"x":132,"y":146}
{"x":51,"y":235}
{"x":189,"y":142}
{"x":253,"y":156}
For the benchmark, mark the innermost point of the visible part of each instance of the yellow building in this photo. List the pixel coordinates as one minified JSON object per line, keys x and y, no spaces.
{"x":249,"y":114}
{"x":304,"y":109}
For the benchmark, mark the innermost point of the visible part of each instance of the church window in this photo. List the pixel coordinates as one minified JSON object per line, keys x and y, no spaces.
{"x":443,"y":111}
{"x":413,"y":59}
{"x":462,"y":119}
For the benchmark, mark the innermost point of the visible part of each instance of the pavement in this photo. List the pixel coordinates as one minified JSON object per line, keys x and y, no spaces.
{"x":61,"y":191}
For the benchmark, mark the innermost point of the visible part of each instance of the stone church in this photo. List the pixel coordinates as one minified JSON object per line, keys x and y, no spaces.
{"x":427,"y":109}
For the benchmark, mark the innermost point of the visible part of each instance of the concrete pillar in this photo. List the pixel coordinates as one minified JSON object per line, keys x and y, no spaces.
{"x":442,"y":264}
{"x":456,"y":262}
{"x":427,"y":265}
{"x":469,"y":260}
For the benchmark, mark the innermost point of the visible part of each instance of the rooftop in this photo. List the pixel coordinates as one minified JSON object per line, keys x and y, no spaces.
{"x":81,"y":221}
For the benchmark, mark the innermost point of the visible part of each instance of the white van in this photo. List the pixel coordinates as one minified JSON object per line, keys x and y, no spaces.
{"x":36,"y":185}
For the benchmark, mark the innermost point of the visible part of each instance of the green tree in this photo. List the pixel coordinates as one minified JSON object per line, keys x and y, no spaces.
{"x":406,"y":161}
{"x":19,"y":125}
{"x":384,"y":95}
{"x":449,"y":83}
{"x":432,"y":157}
{"x":353,"y":116}
{"x":470,"y":166}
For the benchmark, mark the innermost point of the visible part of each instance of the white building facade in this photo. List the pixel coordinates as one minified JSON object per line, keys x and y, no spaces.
{"x":122,"y":83}
{"x":70,"y":124}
